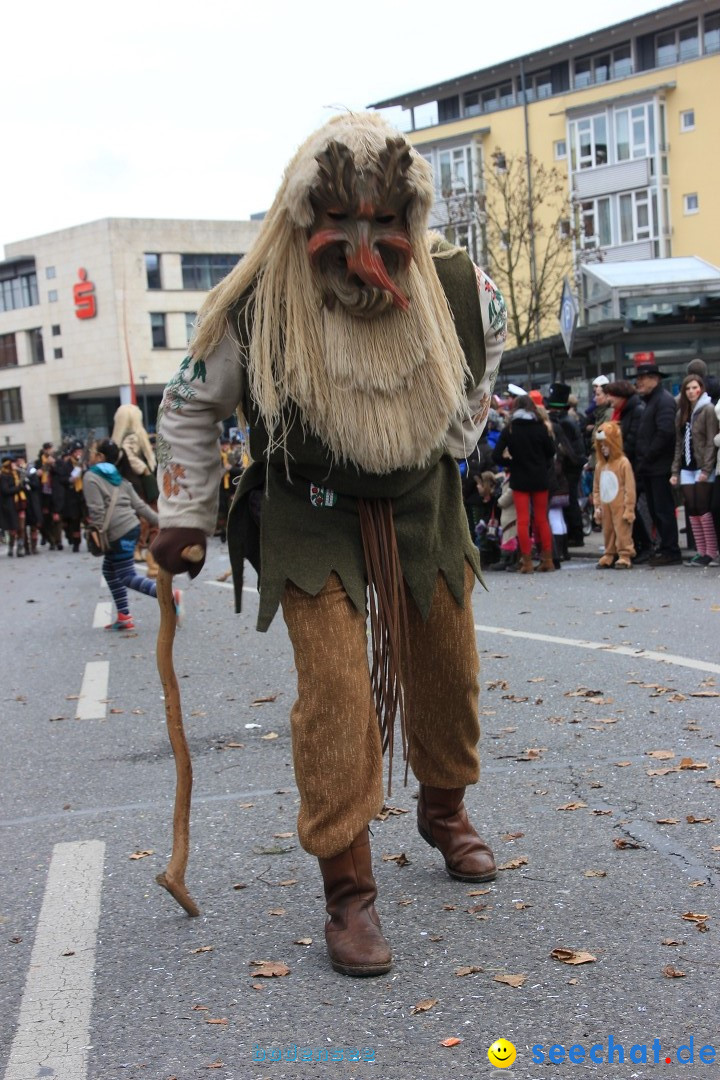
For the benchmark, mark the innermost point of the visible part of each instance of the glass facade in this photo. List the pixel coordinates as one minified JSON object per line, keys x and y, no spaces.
{"x":203,"y":272}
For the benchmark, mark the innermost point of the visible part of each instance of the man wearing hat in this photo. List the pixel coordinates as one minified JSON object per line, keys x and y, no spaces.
{"x":571,"y":450}
{"x":655,"y":450}
{"x":515,"y":391}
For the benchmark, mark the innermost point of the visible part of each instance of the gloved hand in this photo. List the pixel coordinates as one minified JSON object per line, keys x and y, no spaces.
{"x":168,"y":546}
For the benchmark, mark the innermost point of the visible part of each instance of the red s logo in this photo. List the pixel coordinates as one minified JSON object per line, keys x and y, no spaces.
{"x":83,"y":295}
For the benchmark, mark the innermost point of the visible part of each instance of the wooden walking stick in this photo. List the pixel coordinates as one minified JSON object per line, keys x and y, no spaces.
{"x":173,"y":879}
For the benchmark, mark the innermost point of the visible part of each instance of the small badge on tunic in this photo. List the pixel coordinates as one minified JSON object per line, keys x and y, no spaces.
{"x":322,"y":497}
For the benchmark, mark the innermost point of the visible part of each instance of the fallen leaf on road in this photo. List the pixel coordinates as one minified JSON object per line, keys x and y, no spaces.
{"x":671,"y":972}
{"x":263,"y":700}
{"x":692,"y":820}
{"x":671,"y":941}
{"x":270,"y":735}
{"x":52,"y":718}
{"x":424,"y":1005}
{"x":572,"y":956}
{"x":688,"y":763}
{"x":595,"y":873}
{"x":219,"y":1021}
{"x":511,"y":836}
{"x":203,"y":948}
{"x":601,"y":813}
{"x":239,"y":885}
{"x":696,"y":884}
{"x":285,"y":884}
{"x":661,"y":772}
{"x":622,"y":843}
{"x":401,"y":859}
{"x":200,"y":1008}
{"x":451,"y":1042}
{"x":661,"y":755}
{"x":705,"y":693}
{"x":461,"y":972}
{"x":511,"y":980}
{"x":572,"y":806}
{"x":387,"y":811}
{"x":303,"y":941}
{"x":277,"y":911}
{"x":479,"y":892}
{"x":141,"y":854}
{"x":215,"y":1065}
{"x":514,"y":864}
{"x":622,"y":764}
{"x":283,"y":835}
{"x":266,"y":970}
{"x":693,"y":916}
{"x":667,"y":821}
{"x":583,"y":691}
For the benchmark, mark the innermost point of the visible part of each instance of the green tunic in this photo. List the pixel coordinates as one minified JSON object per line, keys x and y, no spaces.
{"x":309,"y":525}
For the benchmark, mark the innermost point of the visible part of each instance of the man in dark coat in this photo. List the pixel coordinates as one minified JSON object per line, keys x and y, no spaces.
{"x":569,"y":438}
{"x":655,"y":450}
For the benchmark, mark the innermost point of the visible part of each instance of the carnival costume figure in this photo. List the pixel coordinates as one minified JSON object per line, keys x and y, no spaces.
{"x":362,"y":352}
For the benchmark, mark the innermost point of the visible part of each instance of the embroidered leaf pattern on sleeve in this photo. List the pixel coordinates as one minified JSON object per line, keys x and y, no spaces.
{"x":179,"y":388}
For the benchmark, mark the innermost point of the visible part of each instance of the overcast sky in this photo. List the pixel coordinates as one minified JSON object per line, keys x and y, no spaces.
{"x":191,"y":110}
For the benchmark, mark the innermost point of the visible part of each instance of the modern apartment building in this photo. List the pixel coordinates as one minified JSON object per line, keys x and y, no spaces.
{"x":88,"y":311}
{"x":628,"y":115}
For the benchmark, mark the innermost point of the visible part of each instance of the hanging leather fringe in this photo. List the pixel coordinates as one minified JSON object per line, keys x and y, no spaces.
{"x":388,"y":621}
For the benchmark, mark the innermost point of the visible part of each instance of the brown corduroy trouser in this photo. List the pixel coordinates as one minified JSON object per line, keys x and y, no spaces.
{"x":335,"y":734}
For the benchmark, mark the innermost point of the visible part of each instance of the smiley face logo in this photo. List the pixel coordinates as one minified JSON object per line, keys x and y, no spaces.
{"x":501,"y":1054}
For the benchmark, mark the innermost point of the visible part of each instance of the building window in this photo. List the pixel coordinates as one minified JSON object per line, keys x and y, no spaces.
{"x":588,"y":142}
{"x":676,"y":45}
{"x":638,"y":216}
{"x":202,"y":272}
{"x":11,"y":406}
{"x":152,"y":270}
{"x":711,"y":35}
{"x":691,"y":204}
{"x":190,"y":317}
{"x":560,"y":148}
{"x":634,"y":132}
{"x":57,"y":354}
{"x":50,"y":272}
{"x":37,"y":349}
{"x":19,"y":291}
{"x":8,"y":351}
{"x":455,"y":171}
{"x":687,"y":120}
{"x":595,"y":223}
{"x":56,"y":330}
{"x":159,"y":332}
{"x":52,"y":296}
{"x":471,"y":103}
{"x":604,"y":66}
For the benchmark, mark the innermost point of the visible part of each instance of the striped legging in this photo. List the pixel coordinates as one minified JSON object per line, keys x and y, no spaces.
{"x":120,"y":574}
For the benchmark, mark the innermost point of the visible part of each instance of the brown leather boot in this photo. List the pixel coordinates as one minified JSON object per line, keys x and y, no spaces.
{"x":526,"y":565}
{"x":546,"y":564}
{"x":444,"y":824}
{"x":355,"y":942}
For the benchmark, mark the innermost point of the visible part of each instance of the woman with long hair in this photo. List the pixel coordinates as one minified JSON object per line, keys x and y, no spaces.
{"x":694,"y":465}
{"x":527,"y":449}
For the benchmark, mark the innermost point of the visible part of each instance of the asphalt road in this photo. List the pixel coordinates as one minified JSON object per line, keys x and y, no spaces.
{"x":600,"y":794}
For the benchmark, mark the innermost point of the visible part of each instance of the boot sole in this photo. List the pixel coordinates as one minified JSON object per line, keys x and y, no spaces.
{"x":360,"y":972}
{"x":454,"y":873}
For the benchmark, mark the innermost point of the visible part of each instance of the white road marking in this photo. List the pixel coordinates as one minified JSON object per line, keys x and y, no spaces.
{"x":53,"y":1033}
{"x":92,"y":703}
{"x":603,"y":646}
{"x":577,"y":643}
{"x":103,"y":614}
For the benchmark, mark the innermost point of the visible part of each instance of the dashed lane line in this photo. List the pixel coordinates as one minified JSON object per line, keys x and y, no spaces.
{"x":603,"y":646}
{"x":53,"y":1033}
{"x":103,"y":614}
{"x":92,"y":702}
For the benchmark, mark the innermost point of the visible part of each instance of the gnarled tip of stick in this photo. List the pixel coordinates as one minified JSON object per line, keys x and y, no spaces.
{"x":178,"y":891}
{"x":193,"y":553}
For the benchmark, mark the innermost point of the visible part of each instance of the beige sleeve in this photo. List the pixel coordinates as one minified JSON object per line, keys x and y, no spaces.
{"x":197,"y":399}
{"x":464,"y":434}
